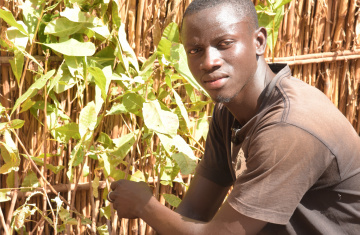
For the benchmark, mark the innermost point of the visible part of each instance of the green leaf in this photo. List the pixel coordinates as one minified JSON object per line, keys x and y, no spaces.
{"x":126,"y":48}
{"x":19,"y":39}
{"x":164,"y":48}
{"x":86,"y":171}
{"x":105,"y":211}
{"x":171,"y":32}
{"x":116,"y":109}
{"x":20,"y":217}
{"x":26,"y":105}
{"x":87,"y":119}
{"x":100,"y":80}
{"x":158,"y":120}
{"x":122,"y":145}
{"x":8,"y":17}
{"x":105,"y":140}
{"x":65,"y":217}
{"x":40,"y":83}
{"x":55,"y":169}
{"x":202,"y":127}
{"x":187,"y":165}
{"x":198,"y":106}
{"x":172,"y":199}
{"x":67,"y":131}
{"x":148,"y":64}
{"x":17,"y":64}
{"x":115,"y":14}
{"x":95,"y":185}
{"x":101,"y":32}
{"x":73,"y":47}
{"x":133,"y":103}
{"x":280,"y":3}
{"x":16,"y":124}
{"x":75,"y":15}
{"x":62,"y":27}
{"x":182,"y":108}
{"x":103,"y":230}
{"x":5,"y":195}
{"x":31,"y":16}
{"x":30,"y":180}
{"x":179,"y":59}
{"x":138,"y":176}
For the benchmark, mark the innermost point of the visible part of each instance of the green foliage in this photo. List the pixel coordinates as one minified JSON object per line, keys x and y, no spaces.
{"x":270,"y":17}
{"x":77,"y":36}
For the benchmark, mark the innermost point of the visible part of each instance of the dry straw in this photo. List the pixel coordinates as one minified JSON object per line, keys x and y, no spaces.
{"x":319,"y":40}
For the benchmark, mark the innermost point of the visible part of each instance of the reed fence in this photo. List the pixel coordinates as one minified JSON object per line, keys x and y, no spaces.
{"x":319,"y":39}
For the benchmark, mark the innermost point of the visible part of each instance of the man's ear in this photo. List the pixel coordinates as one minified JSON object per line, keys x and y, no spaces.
{"x":261,"y":39}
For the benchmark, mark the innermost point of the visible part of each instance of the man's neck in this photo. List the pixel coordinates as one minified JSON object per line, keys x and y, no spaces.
{"x":247,"y":103}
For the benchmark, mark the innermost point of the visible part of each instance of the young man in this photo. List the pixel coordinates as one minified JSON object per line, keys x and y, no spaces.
{"x":293,"y":158}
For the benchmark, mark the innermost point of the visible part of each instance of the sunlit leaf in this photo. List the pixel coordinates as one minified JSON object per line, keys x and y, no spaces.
{"x":179,"y":59}
{"x":67,"y":131}
{"x":20,"y":217}
{"x":187,"y":165}
{"x":172,"y":199}
{"x":138,"y":176}
{"x":30,"y":180}
{"x":8,"y":17}
{"x":126,"y":48}
{"x":62,"y":27}
{"x":116,"y":109}
{"x":87,"y":119}
{"x":75,"y":15}
{"x":73,"y":47}
{"x":33,"y":89}
{"x":26,"y":105}
{"x":103,"y":230}
{"x":123,"y":145}
{"x":202,"y":127}
{"x":17,"y":64}
{"x":171,"y":32}
{"x":182,"y":108}
{"x":158,"y":120}
{"x":105,"y":211}
{"x":65,"y":217}
{"x":133,"y":103}
{"x":100,"y":80}
{"x":5,"y":195}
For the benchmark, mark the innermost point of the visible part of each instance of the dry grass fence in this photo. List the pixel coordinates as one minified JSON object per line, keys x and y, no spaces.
{"x":318,"y":39}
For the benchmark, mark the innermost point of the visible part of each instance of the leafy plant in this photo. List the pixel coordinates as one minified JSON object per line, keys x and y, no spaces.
{"x":96,"y":55}
{"x":270,"y":16}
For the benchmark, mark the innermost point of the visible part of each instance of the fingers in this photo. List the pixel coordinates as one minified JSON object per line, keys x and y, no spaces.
{"x":113,"y":185}
{"x":112,"y":196}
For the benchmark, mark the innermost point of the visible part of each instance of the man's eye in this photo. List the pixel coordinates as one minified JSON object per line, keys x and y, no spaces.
{"x":226,"y":43}
{"x":193,"y":51}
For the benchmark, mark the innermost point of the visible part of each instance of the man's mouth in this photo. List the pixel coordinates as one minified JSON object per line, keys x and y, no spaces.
{"x":215,"y":83}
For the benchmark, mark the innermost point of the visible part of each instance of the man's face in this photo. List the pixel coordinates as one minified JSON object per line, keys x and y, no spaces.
{"x":221,"y":51}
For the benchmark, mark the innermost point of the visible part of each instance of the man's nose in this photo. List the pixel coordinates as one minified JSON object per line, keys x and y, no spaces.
{"x":211,"y":59}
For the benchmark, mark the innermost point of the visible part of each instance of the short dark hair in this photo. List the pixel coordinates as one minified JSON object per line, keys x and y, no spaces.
{"x":245,"y":8}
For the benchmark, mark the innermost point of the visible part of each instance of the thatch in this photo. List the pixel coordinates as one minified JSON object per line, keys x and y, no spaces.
{"x":319,"y":40}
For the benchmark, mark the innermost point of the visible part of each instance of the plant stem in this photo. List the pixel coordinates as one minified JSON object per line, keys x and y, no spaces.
{"x":3,"y":222}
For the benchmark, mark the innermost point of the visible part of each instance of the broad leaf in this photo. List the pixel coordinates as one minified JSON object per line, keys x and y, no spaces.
{"x":75,"y":15}
{"x":103,"y":230}
{"x":66,"y":218}
{"x":116,"y":109}
{"x":73,"y":47}
{"x":5,"y":195}
{"x":126,"y":48}
{"x":133,"y":103}
{"x":100,"y":80}
{"x":182,"y":108}
{"x":179,"y":59}
{"x":138,"y":176}
{"x":17,"y":64}
{"x":87,"y":119}
{"x":172,"y":199}
{"x":19,"y":39}
{"x":158,"y":120}
{"x":30,"y":180}
{"x":40,"y":83}
{"x":105,"y":211}
{"x":8,"y":17}
{"x":187,"y":165}
{"x":67,"y":131}
{"x":62,"y":27}
{"x":122,"y":145}
{"x":171,"y":32}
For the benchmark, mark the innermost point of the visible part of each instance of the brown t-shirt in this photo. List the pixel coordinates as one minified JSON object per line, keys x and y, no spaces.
{"x":296,"y":164}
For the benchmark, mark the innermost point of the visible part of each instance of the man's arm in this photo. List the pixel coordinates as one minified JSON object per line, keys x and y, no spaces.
{"x":202,"y":200}
{"x":135,"y":200}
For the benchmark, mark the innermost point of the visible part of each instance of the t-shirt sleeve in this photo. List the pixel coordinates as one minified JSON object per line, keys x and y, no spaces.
{"x":214,"y":164}
{"x":283,"y":163}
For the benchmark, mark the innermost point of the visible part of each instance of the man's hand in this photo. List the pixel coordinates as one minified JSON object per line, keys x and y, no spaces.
{"x":129,"y":198}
